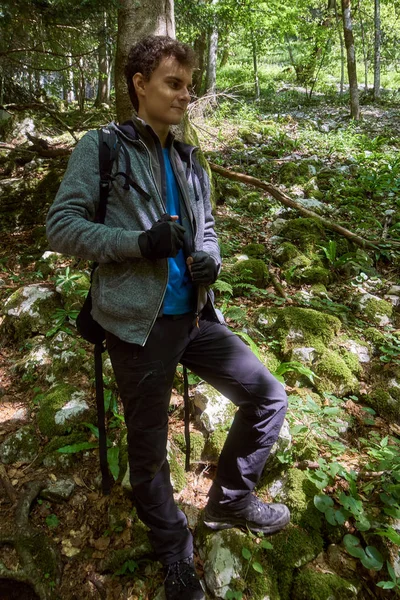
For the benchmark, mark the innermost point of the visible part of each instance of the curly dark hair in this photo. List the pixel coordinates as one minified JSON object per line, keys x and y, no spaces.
{"x":145,"y":56}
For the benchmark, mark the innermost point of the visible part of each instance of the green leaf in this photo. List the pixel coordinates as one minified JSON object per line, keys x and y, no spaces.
{"x":391,"y":534}
{"x":52,"y":521}
{"x":246,"y":553}
{"x":251,"y":343}
{"x":113,"y":461}
{"x":93,"y":429}
{"x":363,"y":524}
{"x":330,"y":516}
{"x":373,"y":559}
{"x":352,"y":545}
{"x":257,"y":567}
{"x":73,"y":448}
{"x":386,"y":585}
{"x":393,"y":511}
{"x":391,"y":571}
{"x":266,"y":545}
{"x":340,"y":517}
{"x":323,"y":502}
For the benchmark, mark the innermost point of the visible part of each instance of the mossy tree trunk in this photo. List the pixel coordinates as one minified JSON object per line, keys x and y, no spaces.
{"x":351,"y":59}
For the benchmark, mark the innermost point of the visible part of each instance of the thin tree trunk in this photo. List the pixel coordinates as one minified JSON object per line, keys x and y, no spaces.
{"x":255,"y":67}
{"x":339,"y":28}
{"x":377,"y":50}
{"x":136,"y":20}
{"x":102,"y":84}
{"x":212,"y":58}
{"x":200,"y":47}
{"x":289,"y":47}
{"x":365,"y":54}
{"x":351,"y":59}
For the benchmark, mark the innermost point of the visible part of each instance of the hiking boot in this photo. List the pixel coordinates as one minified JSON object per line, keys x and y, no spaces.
{"x":181,"y":581}
{"x":257,"y":516}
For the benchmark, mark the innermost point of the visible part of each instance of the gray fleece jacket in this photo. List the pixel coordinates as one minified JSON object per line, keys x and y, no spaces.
{"x":128,"y":289}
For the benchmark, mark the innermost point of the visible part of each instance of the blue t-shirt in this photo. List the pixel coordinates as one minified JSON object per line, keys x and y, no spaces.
{"x":179,"y":297}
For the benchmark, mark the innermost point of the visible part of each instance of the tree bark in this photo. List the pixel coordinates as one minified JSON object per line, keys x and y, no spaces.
{"x":287,"y":201}
{"x":200,"y":47}
{"x":377,"y":50}
{"x":255,"y":67}
{"x":212,"y":58}
{"x":102,"y":84}
{"x":365,"y":54}
{"x":136,"y":20}
{"x":351,"y":59}
{"x":339,"y":28}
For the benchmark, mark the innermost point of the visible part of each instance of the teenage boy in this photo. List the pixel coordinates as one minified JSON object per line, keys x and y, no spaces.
{"x":157,"y":253}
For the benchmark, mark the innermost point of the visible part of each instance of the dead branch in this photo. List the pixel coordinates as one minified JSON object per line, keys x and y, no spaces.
{"x":287,"y":201}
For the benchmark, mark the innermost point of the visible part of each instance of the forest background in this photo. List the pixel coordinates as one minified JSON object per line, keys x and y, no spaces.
{"x":296,"y":110}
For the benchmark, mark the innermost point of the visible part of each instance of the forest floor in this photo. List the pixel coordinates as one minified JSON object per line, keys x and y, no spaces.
{"x":83,"y":523}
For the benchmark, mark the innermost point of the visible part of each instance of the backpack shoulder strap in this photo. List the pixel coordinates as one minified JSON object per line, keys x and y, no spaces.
{"x":108,"y":150}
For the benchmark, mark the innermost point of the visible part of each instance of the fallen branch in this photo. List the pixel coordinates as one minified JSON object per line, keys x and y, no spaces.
{"x":287,"y":201}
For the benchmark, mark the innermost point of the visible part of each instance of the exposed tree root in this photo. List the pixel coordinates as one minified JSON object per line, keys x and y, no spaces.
{"x":36,"y":554}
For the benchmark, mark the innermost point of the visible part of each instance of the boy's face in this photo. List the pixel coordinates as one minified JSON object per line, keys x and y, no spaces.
{"x":164,"y":98}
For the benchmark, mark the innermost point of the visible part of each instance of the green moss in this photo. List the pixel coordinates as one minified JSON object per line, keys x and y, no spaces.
{"x":51,"y":403}
{"x":313,"y":275}
{"x":374,"y":309}
{"x":254,"y":250}
{"x":384,"y":404}
{"x":352,"y":361}
{"x":43,"y":555}
{"x":176,"y":461}
{"x":299,"y":497}
{"x":374,"y":335}
{"x":64,"y":440}
{"x":310,"y":584}
{"x":20,"y":446}
{"x":306,"y":233}
{"x":196,"y":444}
{"x":292,"y":548}
{"x":286,"y":252}
{"x":290,"y":173}
{"x":304,"y":326}
{"x":214,"y":445}
{"x":264,"y":318}
{"x":318,"y":289}
{"x":270,"y":361}
{"x":334,"y":374}
{"x":251,"y":271}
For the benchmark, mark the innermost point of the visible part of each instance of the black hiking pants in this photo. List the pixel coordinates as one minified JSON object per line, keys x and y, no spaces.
{"x":144,"y":376}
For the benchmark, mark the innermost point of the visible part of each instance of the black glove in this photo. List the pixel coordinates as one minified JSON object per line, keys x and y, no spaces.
{"x":164,"y":239}
{"x":203,"y":269}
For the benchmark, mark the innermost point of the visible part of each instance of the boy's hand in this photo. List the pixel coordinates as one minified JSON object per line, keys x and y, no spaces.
{"x":163,"y":240}
{"x":202,"y":267}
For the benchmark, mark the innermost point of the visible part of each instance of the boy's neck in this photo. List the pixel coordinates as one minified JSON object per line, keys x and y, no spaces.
{"x":159,"y":129}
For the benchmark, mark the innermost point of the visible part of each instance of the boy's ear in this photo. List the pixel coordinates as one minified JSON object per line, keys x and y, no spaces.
{"x":139,"y":84}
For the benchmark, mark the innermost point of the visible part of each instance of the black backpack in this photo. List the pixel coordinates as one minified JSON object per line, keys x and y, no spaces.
{"x":89,"y":329}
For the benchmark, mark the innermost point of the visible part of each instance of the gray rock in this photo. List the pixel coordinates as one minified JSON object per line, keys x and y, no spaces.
{"x":74,"y":408}
{"x":394,"y":290}
{"x":305,"y":354}
{"x":21,"y":446}
{"x":216,"y":410}
{"x":315,"y":205}
{"x":277,"y":226}
{"x":221,"y":566}
{"x":360,"y":351}
{"x":283,"y":442}
{"x":59,"y":491}
{"x":394,"y":300}
{"x":2,"y":282}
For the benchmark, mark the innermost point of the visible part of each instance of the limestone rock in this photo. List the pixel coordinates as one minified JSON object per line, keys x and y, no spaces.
{"x":21,"y":446}
{"x":215,"y":409}
{"x":59,"y":491}
{"x":28,"y":312}
{"x":221,"y":565}
{"x":375,"y":309}
{"x":62,"y":407}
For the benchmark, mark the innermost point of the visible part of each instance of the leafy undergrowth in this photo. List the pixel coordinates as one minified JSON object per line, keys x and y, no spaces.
{"x":346,"y":442}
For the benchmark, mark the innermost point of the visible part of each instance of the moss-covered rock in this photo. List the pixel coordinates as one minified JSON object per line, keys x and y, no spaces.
{"x":384,"y":404}
{"x":298,"y":493}
{"x":313,"y":274}
{"x":21,"y":446}
{"x":61,"y":408}
{"x":375,"y":309}
{"x":306,"y":233}
{"x":214,"y":444}
{"x":286,"y":252}
{"x":334,"y":375}
{"x":310,"y":584}
{"x":270,"y":360}
{"x":176,"y":460}
{"x":254,"y":250}
{"x":213,"y":410}
{"x":197,"y":443}
{"x":297,"y":327}
{"x":28,"y":311}
{"x":265,"y":317}
{"x":293,"y":548}
{"x":253,"y":271}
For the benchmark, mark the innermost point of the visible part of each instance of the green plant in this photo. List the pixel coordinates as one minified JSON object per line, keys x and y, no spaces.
{"x":66,"y":280}
{"x":52,"y":521}
{"x":61,"y":317}
{"x":390,"y":349}
{"x":394,"y":583}
{"x":296,"y":367}
{"x":129,"y":567}
{"x":370,"y":557}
